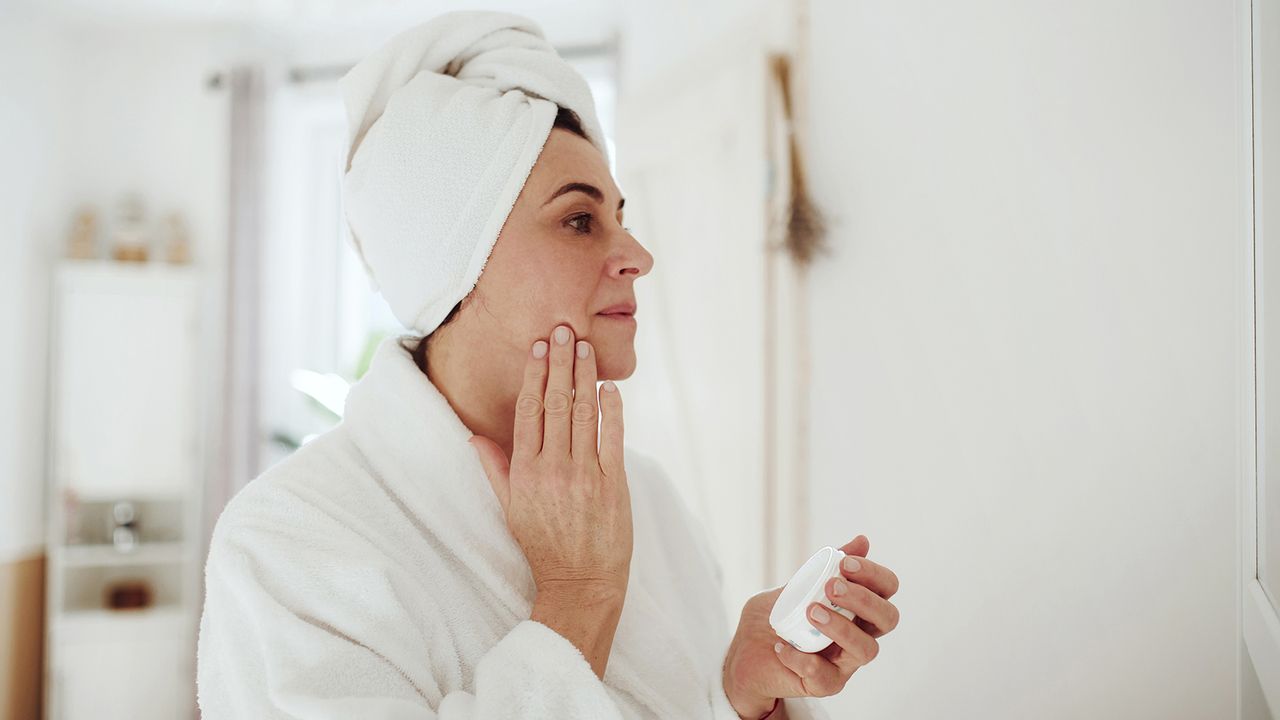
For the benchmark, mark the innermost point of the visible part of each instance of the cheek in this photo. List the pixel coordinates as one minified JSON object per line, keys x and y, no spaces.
{"x":517,"y":283}
{"x":532,"y":291}
{"x":566,"y":286}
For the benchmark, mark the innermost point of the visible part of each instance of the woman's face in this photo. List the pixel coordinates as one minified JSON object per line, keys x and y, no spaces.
{"x":563,"y":256}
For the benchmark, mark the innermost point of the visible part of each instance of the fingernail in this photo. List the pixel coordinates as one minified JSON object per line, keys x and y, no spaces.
{"x":562,"y":335}
{"x":820,"y":615}
{"x":777,"y":647}
{"x":540,"y":349}
{"x":582,"y":348}
{"x":838,"y":587}
{"x":851,"y":564}
{"x":609,"y":386}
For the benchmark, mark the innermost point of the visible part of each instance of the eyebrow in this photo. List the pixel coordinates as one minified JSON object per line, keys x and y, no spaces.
{"x":581,"y":187}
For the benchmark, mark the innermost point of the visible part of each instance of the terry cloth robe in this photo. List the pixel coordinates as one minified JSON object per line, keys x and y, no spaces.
{"x":371,"y":575}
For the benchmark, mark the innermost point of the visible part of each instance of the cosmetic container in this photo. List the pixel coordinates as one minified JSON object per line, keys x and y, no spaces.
{"x":789,"y":617}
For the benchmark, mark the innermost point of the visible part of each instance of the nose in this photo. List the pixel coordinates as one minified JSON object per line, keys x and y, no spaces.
{"x":631,"y":259}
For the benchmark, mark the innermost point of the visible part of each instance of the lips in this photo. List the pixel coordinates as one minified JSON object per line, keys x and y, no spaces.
{"x":621,"y":311}
{"x":622,"y":314}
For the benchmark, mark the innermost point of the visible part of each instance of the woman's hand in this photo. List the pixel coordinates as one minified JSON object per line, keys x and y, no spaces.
{"x":756,"y":670}
{"x":567,"y":504}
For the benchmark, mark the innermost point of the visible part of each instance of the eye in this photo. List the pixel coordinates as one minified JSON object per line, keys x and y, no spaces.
{"x":581,"y":223}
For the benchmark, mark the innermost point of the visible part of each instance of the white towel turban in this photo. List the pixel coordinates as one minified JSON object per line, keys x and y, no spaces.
{"x":445,"y":123}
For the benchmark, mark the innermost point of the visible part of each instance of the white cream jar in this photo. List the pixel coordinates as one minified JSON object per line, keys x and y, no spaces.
{"x":789,"y":617}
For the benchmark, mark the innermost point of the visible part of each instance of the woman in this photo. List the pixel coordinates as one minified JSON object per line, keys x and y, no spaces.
{"x":474,"y":540}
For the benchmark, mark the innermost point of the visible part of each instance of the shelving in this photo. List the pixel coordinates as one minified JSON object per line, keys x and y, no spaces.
{"x":88,"y":522}
{"x":124,"y":492}
{"x":108,"y":555}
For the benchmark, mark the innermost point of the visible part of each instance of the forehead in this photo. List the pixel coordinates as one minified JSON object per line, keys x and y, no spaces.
{"x":566,"y":158}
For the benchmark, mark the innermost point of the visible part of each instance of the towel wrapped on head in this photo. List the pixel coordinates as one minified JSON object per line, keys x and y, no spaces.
{"x":445,"y":122}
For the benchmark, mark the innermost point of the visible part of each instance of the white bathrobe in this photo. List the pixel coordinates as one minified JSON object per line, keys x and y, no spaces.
{"x":372,"y":575}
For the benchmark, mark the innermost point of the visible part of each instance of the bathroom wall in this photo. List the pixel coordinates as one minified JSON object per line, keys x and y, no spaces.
{"x":30,"y":185}
{"x":1028,"y":397}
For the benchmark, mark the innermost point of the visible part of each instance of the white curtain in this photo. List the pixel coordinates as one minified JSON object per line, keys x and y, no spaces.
{"x":236,"y":454}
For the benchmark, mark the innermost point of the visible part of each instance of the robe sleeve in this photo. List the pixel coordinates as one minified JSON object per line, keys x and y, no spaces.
{"x":299,"y":632}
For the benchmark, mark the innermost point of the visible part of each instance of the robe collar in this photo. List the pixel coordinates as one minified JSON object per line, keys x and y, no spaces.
{"x":416,"y":446}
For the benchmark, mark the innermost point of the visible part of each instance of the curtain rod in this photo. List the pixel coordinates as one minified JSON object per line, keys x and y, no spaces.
{"x":302,"y":74}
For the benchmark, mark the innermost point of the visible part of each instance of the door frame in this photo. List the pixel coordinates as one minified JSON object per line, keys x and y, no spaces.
{"x":1259,"y":619}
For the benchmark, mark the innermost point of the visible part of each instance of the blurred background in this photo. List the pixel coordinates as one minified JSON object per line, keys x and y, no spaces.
{"x":988,"y":282}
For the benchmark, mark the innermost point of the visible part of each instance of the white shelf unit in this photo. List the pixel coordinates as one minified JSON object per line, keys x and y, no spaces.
{"x":124,"y":426}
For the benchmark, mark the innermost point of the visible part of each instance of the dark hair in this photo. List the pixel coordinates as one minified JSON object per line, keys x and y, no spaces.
{"x":566,"y":119}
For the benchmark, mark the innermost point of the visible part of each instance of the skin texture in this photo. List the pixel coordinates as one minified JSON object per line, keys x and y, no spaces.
{"x":543,"y":271}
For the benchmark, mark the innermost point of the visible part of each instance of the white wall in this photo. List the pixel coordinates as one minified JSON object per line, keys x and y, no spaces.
{"x":31,"y":58}
{"x":662,"y":39}
{"x":1026,"y":396}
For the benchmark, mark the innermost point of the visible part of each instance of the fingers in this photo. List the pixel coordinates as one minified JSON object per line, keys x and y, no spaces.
{"x":526,"y":440}
{"x":857,"y":647}
{"x":611,"y":462}
{"x":820,"y":676}
{"x":558,"y":399}
{"x":586,"y":413}
{"x":868,"y":628}
{"x":869,"y":574}
{"x":880,"y":614}
{"x":858,"y":546}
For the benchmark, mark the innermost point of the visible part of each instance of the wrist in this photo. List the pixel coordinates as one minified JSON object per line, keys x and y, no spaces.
{"x":773,"y":713}
{"x":588,"y":622}
{"x":749,"y":706}
{"x":581,"y":594}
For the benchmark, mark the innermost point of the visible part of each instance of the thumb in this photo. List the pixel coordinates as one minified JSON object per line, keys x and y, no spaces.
{"x":496,"y":467}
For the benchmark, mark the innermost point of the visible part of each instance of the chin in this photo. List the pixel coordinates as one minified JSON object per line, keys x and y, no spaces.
{"x":615,"y":364}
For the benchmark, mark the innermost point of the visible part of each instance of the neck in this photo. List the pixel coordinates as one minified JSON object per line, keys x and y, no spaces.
{"x":479,"y":386}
